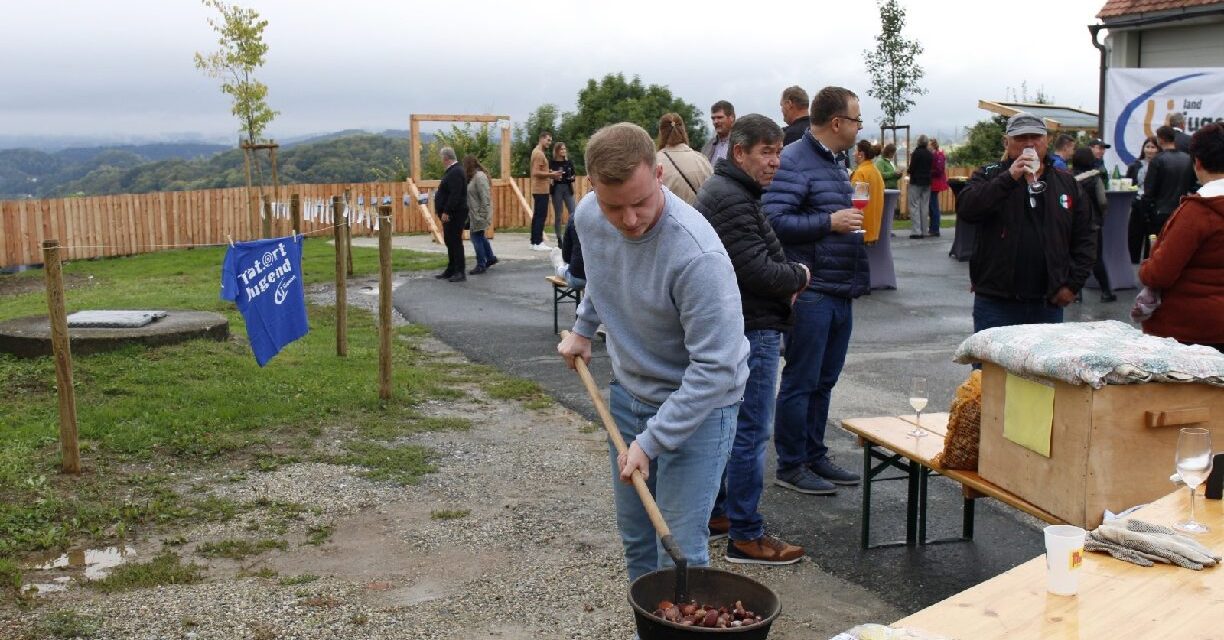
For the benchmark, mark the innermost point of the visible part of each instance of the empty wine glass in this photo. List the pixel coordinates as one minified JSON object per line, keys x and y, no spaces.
{"x":1193,"y":465}
{"x":918,"y":400}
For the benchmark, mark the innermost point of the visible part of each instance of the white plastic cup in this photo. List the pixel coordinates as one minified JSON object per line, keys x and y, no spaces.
{"x":1064,"y":545}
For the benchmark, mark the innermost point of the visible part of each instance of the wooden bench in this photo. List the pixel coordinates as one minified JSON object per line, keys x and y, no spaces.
{"x":562,"y":292}
{"x":885,"y":440}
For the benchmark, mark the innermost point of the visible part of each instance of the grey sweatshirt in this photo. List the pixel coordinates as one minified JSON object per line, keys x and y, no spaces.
{"x":671,"y":306}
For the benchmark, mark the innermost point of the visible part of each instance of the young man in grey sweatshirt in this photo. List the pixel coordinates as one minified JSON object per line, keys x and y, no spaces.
{"x":661,"y":283}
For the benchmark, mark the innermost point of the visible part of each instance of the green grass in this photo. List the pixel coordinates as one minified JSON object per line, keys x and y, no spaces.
{"x":529,"y":392}
{"x":305,"y":578}
{"x":449,"y":514}
{"x":166,"y":568}
{"x":144,"y":412}
{"x":401,"y":465}
{"x":67,"y":624}
{"x":234,"y":549}
{"x":10,"y":576}
{"x":946,"y":221}
{"x":316,"y":536}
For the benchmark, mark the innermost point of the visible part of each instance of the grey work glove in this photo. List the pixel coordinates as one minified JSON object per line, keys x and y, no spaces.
{"x":1143,"y":543}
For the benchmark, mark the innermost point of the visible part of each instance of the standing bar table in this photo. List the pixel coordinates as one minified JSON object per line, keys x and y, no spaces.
{"x":879,"y":255}
{"x":965,"y":233}
{"x":1113,"y":243}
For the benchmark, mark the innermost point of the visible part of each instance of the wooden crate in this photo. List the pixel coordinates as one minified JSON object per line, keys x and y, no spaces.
{"x":1103,"y":453}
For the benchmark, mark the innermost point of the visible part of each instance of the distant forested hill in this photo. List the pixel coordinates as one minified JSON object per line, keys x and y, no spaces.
{"x":352,"y":157}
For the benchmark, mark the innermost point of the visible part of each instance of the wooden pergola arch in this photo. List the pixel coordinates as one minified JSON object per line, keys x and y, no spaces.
{"x":414,"y":147}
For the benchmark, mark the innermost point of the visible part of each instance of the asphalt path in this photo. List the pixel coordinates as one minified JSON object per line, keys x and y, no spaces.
{"x":504,"y":318}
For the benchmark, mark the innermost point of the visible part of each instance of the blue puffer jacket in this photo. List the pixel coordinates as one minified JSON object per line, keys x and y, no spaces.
{"x":807,"y":189}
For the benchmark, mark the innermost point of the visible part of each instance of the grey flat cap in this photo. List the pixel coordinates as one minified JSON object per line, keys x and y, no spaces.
{"x":1022,"y":124}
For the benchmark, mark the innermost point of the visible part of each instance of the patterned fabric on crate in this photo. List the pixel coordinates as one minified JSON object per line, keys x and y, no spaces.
{"x":964,"y":427}
{"x":1094,"y":353}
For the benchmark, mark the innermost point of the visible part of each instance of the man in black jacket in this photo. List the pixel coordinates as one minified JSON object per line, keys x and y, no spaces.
{"x":919,"y":190}
{"x":1035,"y":246}
{"x":450,"y":202}
{"x":731,"y":201}
{"x":1170,"y":176}
{"x":794,"y":113}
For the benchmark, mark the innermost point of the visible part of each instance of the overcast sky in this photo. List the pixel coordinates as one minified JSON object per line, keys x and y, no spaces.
{"x":80,"y":67}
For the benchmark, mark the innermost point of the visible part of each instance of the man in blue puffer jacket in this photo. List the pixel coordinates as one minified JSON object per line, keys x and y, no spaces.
{"x":808,"y":206}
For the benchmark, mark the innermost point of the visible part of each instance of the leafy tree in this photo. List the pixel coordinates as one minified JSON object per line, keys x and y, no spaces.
{"x":479,"y":143}
{"x":612,"y":99}
{"x":242,"y":52}
{"x":984,"y":144}
{"x":527,"y":135}
{"x":893,"y":65}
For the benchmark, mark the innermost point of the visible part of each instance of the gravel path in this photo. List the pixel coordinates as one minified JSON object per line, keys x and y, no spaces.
{"x":536,"y":556}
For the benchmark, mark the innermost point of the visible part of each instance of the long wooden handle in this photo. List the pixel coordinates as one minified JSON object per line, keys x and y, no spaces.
{"x":639,"y":481}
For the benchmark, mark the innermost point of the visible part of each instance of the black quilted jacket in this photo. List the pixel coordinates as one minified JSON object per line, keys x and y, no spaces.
{"x":731,"y":201}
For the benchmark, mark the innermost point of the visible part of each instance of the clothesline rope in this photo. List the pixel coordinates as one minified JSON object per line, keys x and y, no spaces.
{"x":183,"y":246}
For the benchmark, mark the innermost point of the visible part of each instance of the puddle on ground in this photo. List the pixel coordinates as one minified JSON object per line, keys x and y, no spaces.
{"x":95,"y":562}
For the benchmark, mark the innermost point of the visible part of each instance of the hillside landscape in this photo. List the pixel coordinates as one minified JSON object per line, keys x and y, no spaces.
{"x":346,"y":156}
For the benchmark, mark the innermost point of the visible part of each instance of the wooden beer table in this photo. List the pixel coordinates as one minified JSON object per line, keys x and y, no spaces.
{"x":1116,"y":599}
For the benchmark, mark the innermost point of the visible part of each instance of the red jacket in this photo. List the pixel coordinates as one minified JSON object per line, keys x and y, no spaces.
{"x":1187,"y":266}
{"x":939,"y":172}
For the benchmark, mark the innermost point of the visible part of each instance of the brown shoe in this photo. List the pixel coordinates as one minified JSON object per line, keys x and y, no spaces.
{"x":764,"y":550}
{"x":720,"y":526}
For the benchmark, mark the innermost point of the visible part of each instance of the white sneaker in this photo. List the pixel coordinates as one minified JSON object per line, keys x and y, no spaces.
{"x":541,"y":247}
{"x":557,"y":261}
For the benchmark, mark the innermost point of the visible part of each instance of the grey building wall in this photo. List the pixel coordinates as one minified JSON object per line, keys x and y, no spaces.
{"x":1173,"y":45}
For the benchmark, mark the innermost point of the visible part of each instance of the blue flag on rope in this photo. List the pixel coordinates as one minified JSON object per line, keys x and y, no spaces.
{"x":264,"y":277}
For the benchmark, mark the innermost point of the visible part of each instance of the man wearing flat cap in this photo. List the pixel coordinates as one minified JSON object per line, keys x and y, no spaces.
{"x":1035,"y":240}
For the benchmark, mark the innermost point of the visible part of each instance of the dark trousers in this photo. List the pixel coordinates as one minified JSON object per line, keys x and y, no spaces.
{"x":452,"y":235}
{"x":484,"y":250}
{"x":989,"y":313}
{"x":539,"y":215}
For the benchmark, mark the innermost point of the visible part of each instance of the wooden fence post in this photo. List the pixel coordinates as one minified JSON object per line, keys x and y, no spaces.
{"x":266,"y":229}
{"x":61,"y":346}
{"x":295,"y":212}
{"x":385,"y":225}
{"x":341,"y":279}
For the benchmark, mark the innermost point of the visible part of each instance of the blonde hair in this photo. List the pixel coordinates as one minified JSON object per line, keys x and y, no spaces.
{"x":671,"y":131}
{"x":615,"y":152}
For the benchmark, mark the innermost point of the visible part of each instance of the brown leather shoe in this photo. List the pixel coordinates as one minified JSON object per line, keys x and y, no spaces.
{"x":764,"y":550}
{"x":720,"y":526}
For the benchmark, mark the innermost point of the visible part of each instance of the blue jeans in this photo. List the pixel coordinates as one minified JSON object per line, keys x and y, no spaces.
{"x":562,"y":194}
{"x":484,"y":250}
{"x":683,"y":483}
{"x":815,"y":352}
{"x":744,"y":478}
{"x":933,"y":223}
{"x":995,"y":312}
{"x":574,"y":281}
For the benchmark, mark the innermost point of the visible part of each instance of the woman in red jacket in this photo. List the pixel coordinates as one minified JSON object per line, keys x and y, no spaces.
{"x":1187,"y":261}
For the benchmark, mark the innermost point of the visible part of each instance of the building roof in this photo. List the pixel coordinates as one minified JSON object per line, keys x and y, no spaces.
{"x":1057,"y":118}
{"x":1119,"y":8}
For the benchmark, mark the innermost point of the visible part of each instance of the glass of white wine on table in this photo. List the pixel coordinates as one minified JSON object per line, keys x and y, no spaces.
{"x":862,"y":195}
{"x":1193,"y":460}
{"x":918,"y":401}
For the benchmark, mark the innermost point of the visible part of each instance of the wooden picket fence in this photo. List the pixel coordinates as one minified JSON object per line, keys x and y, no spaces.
{"x":128,"y":224}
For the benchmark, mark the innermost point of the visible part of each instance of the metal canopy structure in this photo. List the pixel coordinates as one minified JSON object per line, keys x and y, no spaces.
{"x":1057,"y":118}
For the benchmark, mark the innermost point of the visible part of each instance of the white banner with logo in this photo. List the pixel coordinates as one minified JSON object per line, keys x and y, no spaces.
{"x":1137,"y":101}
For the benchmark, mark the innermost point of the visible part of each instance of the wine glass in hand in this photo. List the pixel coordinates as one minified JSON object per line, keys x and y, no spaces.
{"x":862,"y":195}
{"x":918,"y":401}
{"x":1193,"y":465}
{"x":1035,"y":185}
